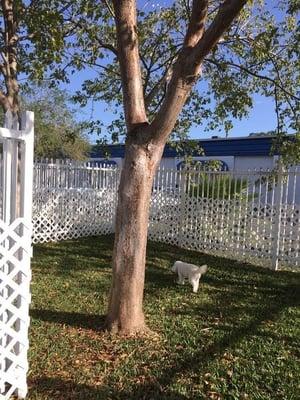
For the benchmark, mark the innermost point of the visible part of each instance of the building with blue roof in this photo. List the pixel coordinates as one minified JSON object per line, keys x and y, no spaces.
{"x":240,"y":153}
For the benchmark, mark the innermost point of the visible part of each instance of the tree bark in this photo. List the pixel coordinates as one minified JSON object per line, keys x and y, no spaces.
{"x":125,"y":311}
{"x":144,"y":147}
{"x":10,"y":99}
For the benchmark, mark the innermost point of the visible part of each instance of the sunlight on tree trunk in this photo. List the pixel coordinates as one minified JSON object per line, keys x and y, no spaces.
{"x":125,"y":312}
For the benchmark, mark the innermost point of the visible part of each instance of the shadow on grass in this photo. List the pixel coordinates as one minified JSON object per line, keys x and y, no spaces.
{"x":76,"y":320}
{"x":93,"y":252}
{"x":60,"y":389}
{"x":243,"y":297}
{"x":197,"y":362}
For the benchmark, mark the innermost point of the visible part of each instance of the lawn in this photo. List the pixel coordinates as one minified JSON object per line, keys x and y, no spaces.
{"x":238,"y":338}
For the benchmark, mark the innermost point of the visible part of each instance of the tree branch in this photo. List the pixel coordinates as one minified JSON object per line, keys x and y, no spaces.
{"x":187,"y":68}
{"x":133,"y":99}
{"x":110,"y":9}
{"x":150,"y":96}
{"x":256,"y":75}
{"x":196,"y":26}
{"x":102,"y":44}
{"x":228,"y":11}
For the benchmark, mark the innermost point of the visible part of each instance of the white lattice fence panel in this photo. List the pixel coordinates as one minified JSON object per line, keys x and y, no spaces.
{"x":251,"y":216}
{"x":164,"y":222}
{"x":60,"y":214}
{"x":231,"y":228}
{"x":15,"y":275}
{"x":289,"y":245}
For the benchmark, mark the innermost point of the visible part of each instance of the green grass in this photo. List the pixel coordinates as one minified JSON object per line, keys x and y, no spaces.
{"x":238,"y":338}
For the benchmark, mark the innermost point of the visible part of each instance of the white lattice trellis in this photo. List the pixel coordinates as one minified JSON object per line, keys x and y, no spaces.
{"x":15,"y":275}
{"x":60,"y":214}
{"x":15,"y":254}
{"x":259,"y":223}
{"x":250,"y":216}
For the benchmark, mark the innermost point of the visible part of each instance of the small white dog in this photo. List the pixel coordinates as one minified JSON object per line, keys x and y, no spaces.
{"x":189,"y":271}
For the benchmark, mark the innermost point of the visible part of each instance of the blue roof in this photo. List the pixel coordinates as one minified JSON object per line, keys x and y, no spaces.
{"x":243,"y":146}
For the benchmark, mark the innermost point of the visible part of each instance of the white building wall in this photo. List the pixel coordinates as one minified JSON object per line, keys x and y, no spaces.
{"x":242,"y":163}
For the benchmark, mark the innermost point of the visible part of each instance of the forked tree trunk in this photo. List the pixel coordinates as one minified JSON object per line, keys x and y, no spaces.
{"x":125,"y":311}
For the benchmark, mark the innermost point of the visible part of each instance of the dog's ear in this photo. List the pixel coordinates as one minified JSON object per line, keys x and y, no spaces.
{"x":203,"y":269}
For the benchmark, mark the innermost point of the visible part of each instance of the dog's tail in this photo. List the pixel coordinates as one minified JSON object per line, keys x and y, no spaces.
{"x":202,"y":269}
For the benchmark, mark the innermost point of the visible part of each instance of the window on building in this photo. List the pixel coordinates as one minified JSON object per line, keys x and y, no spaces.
{"x":213,"y":164}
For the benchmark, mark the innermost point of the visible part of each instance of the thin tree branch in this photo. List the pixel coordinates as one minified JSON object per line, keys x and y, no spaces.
{"x":277,"y":111}
{"x":102,"y":44}
{"x":288,"y":95}
{"x":228,"y":11}
{"x":150,"y":96}
{"x":166,"y":76}
{"x":110,"y":9}
{"x":256,"y":75}
{"x":133,"y":98}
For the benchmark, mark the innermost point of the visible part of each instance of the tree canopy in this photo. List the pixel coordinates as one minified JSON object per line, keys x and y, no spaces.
{"x":259,"y":54}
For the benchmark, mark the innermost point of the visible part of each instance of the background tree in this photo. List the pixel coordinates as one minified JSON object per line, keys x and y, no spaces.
{"x":57,"y":133}
{"x":33,"y":36}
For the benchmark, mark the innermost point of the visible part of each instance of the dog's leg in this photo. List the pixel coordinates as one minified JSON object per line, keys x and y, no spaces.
{"x":180,"y":279}
{"x":195,"y":284}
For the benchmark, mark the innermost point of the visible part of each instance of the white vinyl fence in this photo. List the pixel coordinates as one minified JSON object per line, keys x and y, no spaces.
{"x":249,"y":216}
{"x":15,"y":253}
{"x":73,"y":200}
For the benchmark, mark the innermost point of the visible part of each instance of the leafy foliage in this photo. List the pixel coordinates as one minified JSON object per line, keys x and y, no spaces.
{"x":259,"y":54}
{"x":290,"y":149}
{"x":57,"y":134}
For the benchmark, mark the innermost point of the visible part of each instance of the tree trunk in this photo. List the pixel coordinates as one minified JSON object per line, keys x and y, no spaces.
{"x":144,"y":148}
{"x":125,"y":311}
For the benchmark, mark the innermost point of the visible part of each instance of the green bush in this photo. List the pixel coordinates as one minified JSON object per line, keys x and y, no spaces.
{"x":215,"y":186}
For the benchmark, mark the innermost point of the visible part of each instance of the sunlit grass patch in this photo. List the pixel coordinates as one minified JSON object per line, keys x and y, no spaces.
{"x":237,"y":338}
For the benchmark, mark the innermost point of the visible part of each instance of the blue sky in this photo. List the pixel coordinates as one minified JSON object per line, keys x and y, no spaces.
{"x":262,"y":116}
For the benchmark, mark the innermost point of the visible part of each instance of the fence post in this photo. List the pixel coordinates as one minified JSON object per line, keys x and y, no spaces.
{"x":183,"y":178}
{"x":277,"y":224}
{"x":26,"y":180}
